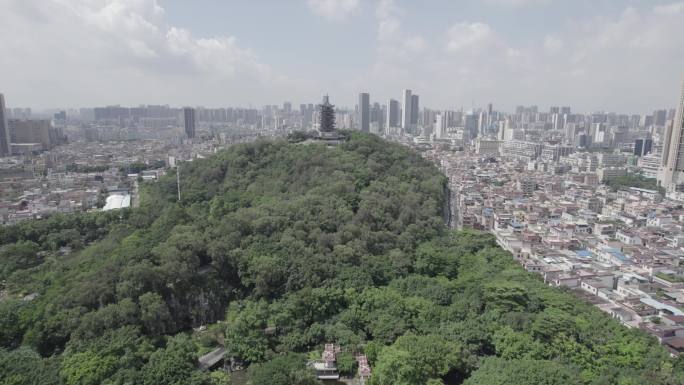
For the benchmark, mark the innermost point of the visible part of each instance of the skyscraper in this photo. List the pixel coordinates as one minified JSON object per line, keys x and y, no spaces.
{"x":327,"y":116}
{"x":190,"y":122}
{"x":377,"y":118}
{"x":598,"y":132}
{"x":393,"y":118}
{"x":415,"y":112}
{"x":4,"y":129}
{"x":671,"y":172}
{"x":364,"y":112}
{"x":406,"y":117}
{"x":470,"y":124}
{"x":659,"y":117}
{"x":440,"y":126}
{"x":490,"y":113}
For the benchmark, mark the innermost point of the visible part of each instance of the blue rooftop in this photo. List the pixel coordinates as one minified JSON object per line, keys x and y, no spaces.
{"x":617,"y":254}
{"x":584,"y":253}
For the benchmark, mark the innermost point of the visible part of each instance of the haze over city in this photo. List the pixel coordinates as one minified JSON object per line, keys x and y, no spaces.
{"x":608,"y":55}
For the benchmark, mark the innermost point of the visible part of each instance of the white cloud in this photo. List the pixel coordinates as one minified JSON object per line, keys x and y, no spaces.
{"x":516,"y":3}
{"x":469,"y":36}
{"x":669,"y":9}
{"x":628,"y":60}
{"x":619,"y":62}
{"x":415,"y":44}
{"x":334,"y":9}
{"x":388,"y":16}
{"x":219,"y":56}
{"x":89,"y":52}
{"x":123,"y":51}
{"x":393,"y":43}
{"x":553,"y":44}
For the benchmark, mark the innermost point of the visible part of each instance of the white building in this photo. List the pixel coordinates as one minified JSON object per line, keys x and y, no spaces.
{"x":406,"y":112}
{"x":672,"y":171}
{"x":117,"y":201}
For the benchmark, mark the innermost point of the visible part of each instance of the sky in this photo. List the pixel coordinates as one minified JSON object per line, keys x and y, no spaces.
{"x":614,"y":55}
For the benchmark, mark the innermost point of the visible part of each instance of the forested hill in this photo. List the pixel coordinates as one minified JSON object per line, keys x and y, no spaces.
{"x":292,"y":246}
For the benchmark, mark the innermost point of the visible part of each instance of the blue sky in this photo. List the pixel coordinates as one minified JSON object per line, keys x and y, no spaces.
{"x":625,"y":56}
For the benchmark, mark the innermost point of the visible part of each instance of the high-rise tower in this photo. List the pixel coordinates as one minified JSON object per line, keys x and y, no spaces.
{"x":190,"y":121}
{"x":393,"y":119}
{"x":364,"y":112}
{"x":415,"y":112}
{"x":4,"y":129}
{"x":407,"y":109}
{"x":671,"y":172}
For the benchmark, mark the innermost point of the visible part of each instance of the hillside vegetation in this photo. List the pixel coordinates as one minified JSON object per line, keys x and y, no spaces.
{"x":292,"y":246}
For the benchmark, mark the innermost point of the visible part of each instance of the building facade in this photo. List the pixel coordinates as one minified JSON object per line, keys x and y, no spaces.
{"x":406,"y":117}
{"x":393,"y":115}
{"x":4,"y":129}
{"x":364,"y":112}
{"x":190,"y":120}
{"x":672,"y":166}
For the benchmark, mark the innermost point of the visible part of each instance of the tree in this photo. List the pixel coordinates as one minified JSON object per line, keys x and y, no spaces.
{"x":297,"y":245}
{"x":346,"y":364}
{"x":18,"y":256}
{"x":433,"y":260}
{"x":288,"y":369}
{"x":551,"y":322}
{"x":219,"y":378}
{"x":516,"y":345}
{"x":505,"y":296}
{"x":173,"y":365}
{"x":496,"y":371}
{"x":11,"y":327}
{"x":154,"y":313}
{"x":412,"y":360}
{"x":26,"y":367}
{"x":245,"y":337}
{"x":87,"y":368}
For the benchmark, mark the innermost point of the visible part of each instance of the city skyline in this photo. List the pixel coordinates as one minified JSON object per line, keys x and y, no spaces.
{"x":468,"y":54}
{"x":302,"y":192}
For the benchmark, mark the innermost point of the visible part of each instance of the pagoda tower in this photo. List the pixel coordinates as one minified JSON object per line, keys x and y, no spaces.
{"x":327,"y":116}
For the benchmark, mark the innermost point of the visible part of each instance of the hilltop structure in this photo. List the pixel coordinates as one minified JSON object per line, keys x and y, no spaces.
{"x":327,"y":116}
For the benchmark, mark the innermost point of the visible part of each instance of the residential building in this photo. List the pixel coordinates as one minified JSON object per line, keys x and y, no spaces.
{"x":672,"y":171}
{"x":190,"y":120}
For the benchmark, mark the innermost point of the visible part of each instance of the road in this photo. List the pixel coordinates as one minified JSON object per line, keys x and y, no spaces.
{"x":212,"y":358}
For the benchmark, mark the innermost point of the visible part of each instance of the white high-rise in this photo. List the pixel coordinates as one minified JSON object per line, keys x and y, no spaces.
{"x":393,"y":119}
{"x":406,"y":118}
{"x":4,"y":129}
{"x":672,"y":166}
{"x":440,"y":128}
